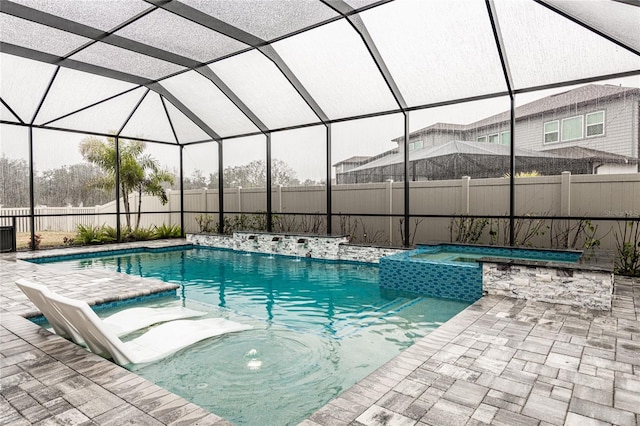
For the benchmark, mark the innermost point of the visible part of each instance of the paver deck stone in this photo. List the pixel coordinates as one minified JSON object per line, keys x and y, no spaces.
{"x":545,"y":409}
{"x":501,"y":361}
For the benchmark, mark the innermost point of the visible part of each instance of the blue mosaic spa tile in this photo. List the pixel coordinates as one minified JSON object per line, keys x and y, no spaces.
{"x":454,"y":271}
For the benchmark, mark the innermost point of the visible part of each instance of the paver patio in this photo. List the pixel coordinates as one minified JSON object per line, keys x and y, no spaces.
{"x":501,"y":361}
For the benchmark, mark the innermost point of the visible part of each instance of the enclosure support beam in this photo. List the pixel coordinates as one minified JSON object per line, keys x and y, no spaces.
{"x":208,"y":73}
{"x":220,"y":190}
{"x":158,"y":88}
{"x":117,"y":149}
{"x":32,"y":215}
{"x":269,"y":181}
{"x":6,"y":105}
{"x":328,"y":166}
{"x":600,"y":32}
{"x":36,"y":55}
{"x":356,"y":22}
{"x":512,"y":176}
{"x":181,"y":192}
{"x":32,"y":200}
{"x":407,"y":240}
{"x":117,"y":178}
{"x":497,"y":34}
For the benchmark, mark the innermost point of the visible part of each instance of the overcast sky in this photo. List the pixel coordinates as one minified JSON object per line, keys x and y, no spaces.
{"x":302,"y":149}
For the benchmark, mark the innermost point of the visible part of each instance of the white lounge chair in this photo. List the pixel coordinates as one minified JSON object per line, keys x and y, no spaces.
{"x":121,"y":323}
{"x":76,"y":319}
{"x":159,"y":342}
{"x":39,"y":296}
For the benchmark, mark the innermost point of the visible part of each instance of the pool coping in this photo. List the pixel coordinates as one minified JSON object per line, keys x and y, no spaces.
{"x":402,"y":390}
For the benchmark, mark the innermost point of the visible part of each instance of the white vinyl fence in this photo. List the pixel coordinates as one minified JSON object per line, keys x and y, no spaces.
{"x":72,"y":216}
{"x":564,"y":195}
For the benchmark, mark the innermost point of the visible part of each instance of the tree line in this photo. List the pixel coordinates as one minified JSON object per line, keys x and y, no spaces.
{"x":63,"y":186}
{"x":250,"y":175}
{"x":93,"y":181}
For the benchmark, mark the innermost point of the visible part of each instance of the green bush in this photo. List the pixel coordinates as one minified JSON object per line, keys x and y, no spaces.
{"x":110,"y":234}
{"x":167,"y":231}
{"x":627,"y":260}
{"x":93,"y":235}
{"x":205,"y":223}
{"x":138,"y":234}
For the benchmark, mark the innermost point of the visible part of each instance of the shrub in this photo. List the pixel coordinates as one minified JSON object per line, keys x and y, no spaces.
{"x":140,"y":234}
{"x":35,"y":242}
{"x":532,"y":173}
{"x":467,"y":230}
{"x":90,"y":234}
{"x":205,"y":223}
{"x":167,"y":231}
{"x":628,"y":249}
{"x":109,"y":234}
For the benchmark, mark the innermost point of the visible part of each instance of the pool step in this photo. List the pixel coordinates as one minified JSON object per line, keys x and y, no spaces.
{"x":353,"y":325}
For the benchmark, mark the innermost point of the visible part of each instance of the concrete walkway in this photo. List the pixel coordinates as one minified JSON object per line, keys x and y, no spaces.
{"x":501,"y":361}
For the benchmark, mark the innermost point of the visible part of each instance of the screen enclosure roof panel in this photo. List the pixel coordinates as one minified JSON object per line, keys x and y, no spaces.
{"x":237,"y":68}
{"x":264,"y":89}
{"x":428,"y":55}
{"x":203,"y":98}
{"x":174,"y":34}
{"x":101,"y":14}
{"x":266,"y":19}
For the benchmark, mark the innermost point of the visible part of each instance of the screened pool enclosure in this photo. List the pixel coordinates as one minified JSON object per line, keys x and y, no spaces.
{"x":507,"y":122}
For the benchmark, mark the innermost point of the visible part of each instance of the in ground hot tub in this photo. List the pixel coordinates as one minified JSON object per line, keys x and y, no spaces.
{"x":464,"y":272}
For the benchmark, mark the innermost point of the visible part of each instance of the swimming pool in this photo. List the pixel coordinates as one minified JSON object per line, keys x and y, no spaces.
{"x":319,"y":327}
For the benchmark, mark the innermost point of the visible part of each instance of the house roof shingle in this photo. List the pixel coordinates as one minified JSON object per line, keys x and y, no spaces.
{"x":578,"y":96}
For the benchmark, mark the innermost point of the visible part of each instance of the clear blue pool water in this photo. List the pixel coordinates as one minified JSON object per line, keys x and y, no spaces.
{"x":319,"y":327}
{"x":469,"y":254}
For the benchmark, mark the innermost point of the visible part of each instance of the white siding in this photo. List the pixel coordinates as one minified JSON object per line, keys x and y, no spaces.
{"x":620,"y":135}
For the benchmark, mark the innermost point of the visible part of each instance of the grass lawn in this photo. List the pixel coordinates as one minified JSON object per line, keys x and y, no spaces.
{"x":49,"y":239}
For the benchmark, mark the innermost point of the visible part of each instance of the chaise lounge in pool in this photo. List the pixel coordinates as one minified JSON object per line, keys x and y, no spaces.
{"x":75,"y":319}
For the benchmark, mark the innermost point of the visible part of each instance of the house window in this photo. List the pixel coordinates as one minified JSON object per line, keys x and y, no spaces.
{"x":595,"y":124}
{"x":493,"y":138}
{"x":551,"y":133}
{"x":482,"y":139}
{"x":572,"y":128}
{"x":505,"y":138}
{"x":418,"y":145}
{"x":412,"y":146}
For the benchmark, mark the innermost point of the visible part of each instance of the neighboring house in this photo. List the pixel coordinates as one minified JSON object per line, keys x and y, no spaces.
{"x":350,"y":163}
{"x":588,"y":130}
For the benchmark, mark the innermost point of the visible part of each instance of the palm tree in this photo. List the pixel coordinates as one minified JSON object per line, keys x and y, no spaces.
{"x":138,"y":173}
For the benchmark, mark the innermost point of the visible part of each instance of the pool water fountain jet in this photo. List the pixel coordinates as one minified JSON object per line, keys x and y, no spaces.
{"x":254,"y":362}
{"x":301,"y":246}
